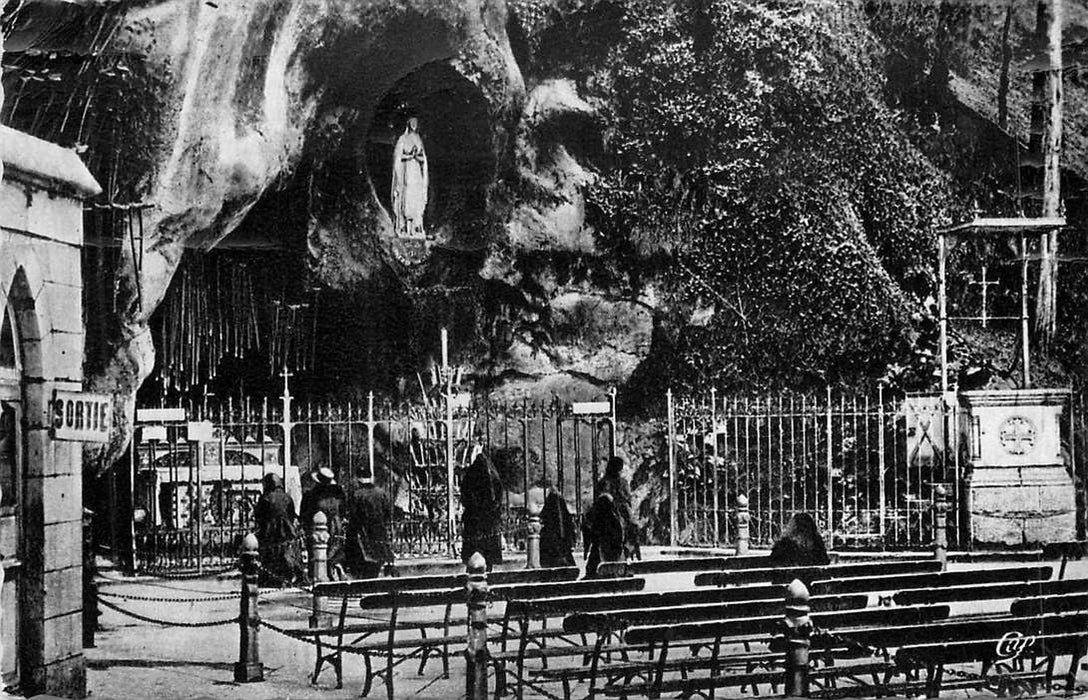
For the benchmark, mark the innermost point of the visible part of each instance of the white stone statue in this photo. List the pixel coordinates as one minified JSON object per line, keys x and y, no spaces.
{"x":409,"y":182}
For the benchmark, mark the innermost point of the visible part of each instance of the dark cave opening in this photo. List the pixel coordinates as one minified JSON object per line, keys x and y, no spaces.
{"x":455,"y":127}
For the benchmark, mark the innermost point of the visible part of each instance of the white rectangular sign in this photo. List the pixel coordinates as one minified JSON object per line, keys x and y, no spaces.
{"x":591,"y":408}
{"x":81,"y":417}
{"x":160,"y":415}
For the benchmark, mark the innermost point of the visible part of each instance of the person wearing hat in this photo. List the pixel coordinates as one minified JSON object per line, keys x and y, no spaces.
{"x":326,"y":496}
{"x":367,"y":542}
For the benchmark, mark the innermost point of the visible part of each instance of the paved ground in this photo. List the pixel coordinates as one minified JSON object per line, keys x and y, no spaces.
{"x":136,"y":659}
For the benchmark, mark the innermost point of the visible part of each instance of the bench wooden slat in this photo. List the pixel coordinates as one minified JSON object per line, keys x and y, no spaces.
{"x":529,"y":591}
{"x":670,"y":566}
{"x":912,"y":656}
{"x":811,"y":573}
{"x":732,"y":680}
{"x":563,"y":605}
{"x":895,"y":636}
{"x":752,"y":627}
{"x":989,"y":591}
{"x":1035,"y":605}
{"x":389,"y":584}
{"x":620,"y":619}
{"x":871,"y":584}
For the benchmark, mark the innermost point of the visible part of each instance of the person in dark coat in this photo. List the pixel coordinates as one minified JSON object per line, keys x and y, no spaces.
{"x":367,"y":548}
{"x":481,"y":514}
{"x":602,"y":534}
{"x":557,"y":532}
{"x":326,"y":497}
{"x":615,"y":484}
{"x":277,"y":535}
{"x":800,"y":544}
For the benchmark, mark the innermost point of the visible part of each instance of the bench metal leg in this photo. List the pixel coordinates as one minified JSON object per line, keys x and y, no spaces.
{"x":368,"y":681}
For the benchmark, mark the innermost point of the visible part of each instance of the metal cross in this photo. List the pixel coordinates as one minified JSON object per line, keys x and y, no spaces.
{"x":985,"y":284}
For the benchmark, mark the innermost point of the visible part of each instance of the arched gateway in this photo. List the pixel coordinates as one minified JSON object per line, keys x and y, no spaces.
{"x":41,"y":359}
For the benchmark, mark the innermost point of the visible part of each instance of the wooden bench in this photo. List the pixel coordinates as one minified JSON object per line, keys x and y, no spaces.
{"x":1076,"y":549}
{"x":989,"y":591}
{"x":392,"y":596}
{"x":692,"y":564}
{"x":719,"y":634}
{"x":899,"y":582}
{"x":811,"y":573}
{"x":994,"y":652}
{"x":1038,"y":605}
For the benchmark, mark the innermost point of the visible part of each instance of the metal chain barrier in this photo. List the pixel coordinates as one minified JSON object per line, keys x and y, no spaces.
{"x":168,"y":623}
{"x":165,"y":599}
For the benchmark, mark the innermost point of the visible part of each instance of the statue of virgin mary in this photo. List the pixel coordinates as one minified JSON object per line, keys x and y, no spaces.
{"x":409,"y":182}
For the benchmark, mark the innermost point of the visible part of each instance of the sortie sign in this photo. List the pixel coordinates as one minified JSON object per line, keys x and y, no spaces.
{"x":81,"y":417}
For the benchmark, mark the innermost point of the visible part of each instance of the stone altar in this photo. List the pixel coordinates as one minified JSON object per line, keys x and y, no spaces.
{"x":1018,"y":489}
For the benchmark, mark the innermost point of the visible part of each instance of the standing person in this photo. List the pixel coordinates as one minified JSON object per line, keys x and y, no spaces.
{"x":327,"y":497}
{"x":602,"y":534}
{"x":481,"y":518}
{"x":615,"y":484}
{"x":277,"y":536}
{"x":557,"y":532}
{"x":367,"y":547}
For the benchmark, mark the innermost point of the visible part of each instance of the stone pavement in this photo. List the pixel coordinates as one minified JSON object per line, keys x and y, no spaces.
{"x":136,"y":659}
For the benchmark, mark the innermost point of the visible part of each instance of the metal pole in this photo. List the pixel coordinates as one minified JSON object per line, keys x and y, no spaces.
{"x":671,"y":448}
{"x":1025,"y":341}
{"x":715,"y":525}
{"x":451,"y":525}
{"x":880,"y":461}
{"x":612,"y":413}
{"x":830,"y":478}
{"x":370,"y":438}
{"x":942,"y":297}
{"x":285,"y":425}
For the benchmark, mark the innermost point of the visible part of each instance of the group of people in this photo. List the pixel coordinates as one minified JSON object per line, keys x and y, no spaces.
{"x":609,"y":533}
{"x":358,"y":524}
{"x":357,"y":520}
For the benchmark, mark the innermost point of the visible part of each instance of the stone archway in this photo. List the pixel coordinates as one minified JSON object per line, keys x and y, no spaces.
{"x":22,"y":533}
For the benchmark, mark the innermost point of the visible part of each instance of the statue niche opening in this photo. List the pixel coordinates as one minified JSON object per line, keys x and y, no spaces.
{"x":453,"y":125}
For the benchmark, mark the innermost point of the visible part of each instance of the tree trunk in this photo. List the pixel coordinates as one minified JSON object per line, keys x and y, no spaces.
{"x":1003,"y":81}
{"x":1046,"y":131}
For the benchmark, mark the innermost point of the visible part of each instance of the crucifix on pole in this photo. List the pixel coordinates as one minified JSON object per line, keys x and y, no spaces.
{"x":984,"y":284}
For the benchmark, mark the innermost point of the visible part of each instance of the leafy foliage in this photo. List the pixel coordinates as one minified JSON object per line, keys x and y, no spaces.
{"x":753,"y":146}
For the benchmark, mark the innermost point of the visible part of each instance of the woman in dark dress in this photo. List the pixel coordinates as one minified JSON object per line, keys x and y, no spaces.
{"x":481,"y":517}
{"x":277,"y":536}
{"x":800,"y":544}
{"x":615,"y":484}
{"x":557,"y":532}
{"x":602,"y":534}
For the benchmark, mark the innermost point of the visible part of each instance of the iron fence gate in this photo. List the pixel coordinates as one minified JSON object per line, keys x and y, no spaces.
{"x":863,"y":467}
{"x":193,"y":500}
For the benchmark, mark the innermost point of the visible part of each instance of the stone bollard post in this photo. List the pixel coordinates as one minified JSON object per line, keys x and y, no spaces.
{"x":532,"y":542}
{"x":940,"y":526}
{"x":249,"y":668}
{"x":743,"y":518}
{"x":319,"y":563}
{"x":798,"y":630}
{"x":476,"y":653}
